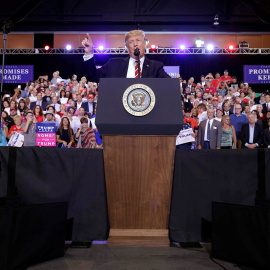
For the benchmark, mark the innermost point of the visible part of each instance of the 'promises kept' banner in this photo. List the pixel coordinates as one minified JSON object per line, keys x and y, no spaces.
{"x":257,"y":74}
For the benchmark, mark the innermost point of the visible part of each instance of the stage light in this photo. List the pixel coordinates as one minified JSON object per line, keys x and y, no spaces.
{"x":68,"y":47}
{"x":182,"y":47}
{"x":153,"y":46}
{"x":231,"y":47}
{"x":46,"y":47}
{"x":210,"y":47}
{"x":199,"y":42}
{"x":101,"y":47}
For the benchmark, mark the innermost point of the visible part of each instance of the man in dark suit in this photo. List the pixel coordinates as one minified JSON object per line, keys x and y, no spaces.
{"x":226,"y":109}
{"x":90,"y":105}
{"x":251,"y":133}
{"x":123,"y":67}
{"x":266,"y":138}
{"x":210,"y":132}
{"x":266,"y":106}
{"x":38,"y":102}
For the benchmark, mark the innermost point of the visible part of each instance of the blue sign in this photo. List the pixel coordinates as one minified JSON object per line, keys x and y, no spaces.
{"x":172,"y":70}
{"x":17,"y":74}
{"x":45,"y":128}
{"x":257,"y":74}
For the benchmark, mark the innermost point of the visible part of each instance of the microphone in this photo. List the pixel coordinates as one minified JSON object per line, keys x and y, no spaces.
{"x":137,"y":52}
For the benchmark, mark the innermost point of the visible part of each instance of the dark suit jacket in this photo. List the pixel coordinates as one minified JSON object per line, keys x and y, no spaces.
{"x":118,"y":67}
{"x":86,"y":107}
{"x":264,"y":110}
{"x":258,"y":134}
{"x":43,"y":105}
{"x":266,"y":137}
{"x":215,"y":134}
{"x":229,"y":112}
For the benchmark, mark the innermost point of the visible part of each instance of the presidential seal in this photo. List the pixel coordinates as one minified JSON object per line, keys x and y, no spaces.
{"x":139,"y":99}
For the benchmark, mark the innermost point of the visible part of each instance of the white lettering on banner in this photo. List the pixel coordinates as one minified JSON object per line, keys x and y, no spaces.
{"x":15,"y":71}
{"x":12,"y":77}
{"x":264,"y":77}
{"x":259,"y":71}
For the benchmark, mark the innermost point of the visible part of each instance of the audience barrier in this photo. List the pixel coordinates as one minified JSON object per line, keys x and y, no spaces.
{"x":46,"y":175}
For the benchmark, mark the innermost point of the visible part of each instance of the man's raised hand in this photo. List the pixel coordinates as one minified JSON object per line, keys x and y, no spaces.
{"x":87,"y":44}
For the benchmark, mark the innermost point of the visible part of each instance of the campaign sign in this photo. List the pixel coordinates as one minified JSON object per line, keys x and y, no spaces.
{"x":17,"y":74}
{"x":185,"y":135}
{"x":172,"y":70}
{"x":45,"y":134}
{"x":257,"y":74}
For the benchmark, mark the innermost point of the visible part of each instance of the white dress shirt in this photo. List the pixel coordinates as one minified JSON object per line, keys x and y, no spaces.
{"x":206,"y":128}
{"x":131,"y":64}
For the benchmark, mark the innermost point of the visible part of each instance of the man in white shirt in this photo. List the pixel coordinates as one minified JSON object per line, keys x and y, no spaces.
{"x":55,"y":104}
{"x":266,"y":105}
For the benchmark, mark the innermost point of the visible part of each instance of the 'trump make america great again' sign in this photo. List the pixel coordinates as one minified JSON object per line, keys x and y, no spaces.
{"x":45,"y":134}
{"x":257,"y":74}
{"x":17,"y":74}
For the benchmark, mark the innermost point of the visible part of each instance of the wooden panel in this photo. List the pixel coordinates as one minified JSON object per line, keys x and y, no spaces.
{"x":133,"y":241}
{"x":255,"y":41}
{"x":136,"y":232}
{"x":139,"y":172}
{"x":266,"y":41}
{"x":18,"y":41}
{"x":61,"y":40}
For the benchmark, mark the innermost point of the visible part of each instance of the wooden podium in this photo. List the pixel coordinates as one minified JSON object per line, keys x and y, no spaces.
{"x":139,"y":156}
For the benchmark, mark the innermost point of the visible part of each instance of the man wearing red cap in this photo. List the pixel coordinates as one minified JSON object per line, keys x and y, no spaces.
{"x":90,"y":105}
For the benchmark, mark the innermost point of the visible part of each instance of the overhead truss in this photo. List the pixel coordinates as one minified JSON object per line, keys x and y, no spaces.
{"x":117,"y":51}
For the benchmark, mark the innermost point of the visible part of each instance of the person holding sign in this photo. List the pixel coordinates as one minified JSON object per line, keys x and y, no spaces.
{"x":189,"y":131}
{"x":17,"y":127}
{"x":135,"y":43}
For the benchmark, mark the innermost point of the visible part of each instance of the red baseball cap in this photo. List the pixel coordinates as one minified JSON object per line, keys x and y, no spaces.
{"x":90,"y":96}
{"x":215,"y":99}
{"x":12,"y":108}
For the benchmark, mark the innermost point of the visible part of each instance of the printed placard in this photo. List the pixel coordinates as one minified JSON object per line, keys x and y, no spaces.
{"x":45,"y":134}
{"x":17,"y":74}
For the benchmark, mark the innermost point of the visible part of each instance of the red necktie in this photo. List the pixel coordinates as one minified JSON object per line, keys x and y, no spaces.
{"x":136,"y":70}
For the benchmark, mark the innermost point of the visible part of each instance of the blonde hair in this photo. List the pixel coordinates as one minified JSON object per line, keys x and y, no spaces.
{"x":17,"y":117}
{"x":134,"y":33}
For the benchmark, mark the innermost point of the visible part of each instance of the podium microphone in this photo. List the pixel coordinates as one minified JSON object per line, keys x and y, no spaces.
{"x":137,"y":53}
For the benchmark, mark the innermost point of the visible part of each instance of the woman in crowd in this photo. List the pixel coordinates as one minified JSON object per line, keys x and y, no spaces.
{"x":228,"y":139}
{"x":63,"y":110}
{"x":13,"y":104}
{"x":38,"y":113}
{"x":85,"y":135}
{"x":4,"y":130}
{"x":64,"y":134}
{"x":256,"y":115}
{"x":6,"y":106}
{"x":63,"y":99}
{"x":22,"y":108}
{"x":17,"y":127}
{"x":68,"y":95}
{"x":259,"y":109}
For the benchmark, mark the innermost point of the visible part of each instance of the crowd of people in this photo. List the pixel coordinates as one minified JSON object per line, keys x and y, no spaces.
{"x":69,"y":105}
{"x":221,"y":112}
{"x":228,"y":114}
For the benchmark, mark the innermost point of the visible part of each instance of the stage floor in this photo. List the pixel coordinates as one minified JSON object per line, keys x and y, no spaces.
{"x":103,"y":257}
